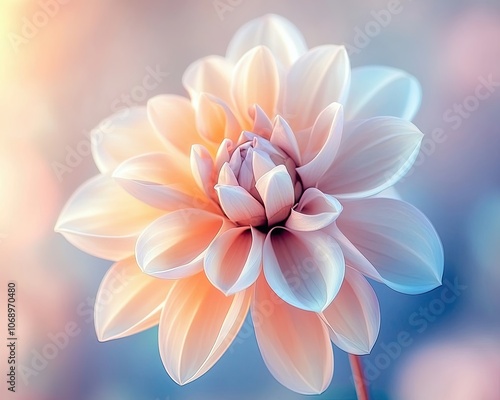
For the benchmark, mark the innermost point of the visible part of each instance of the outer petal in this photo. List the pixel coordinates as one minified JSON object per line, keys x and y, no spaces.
{"x":353,"y":318}
{"x":398,"y":240}
{"x":210,"y":75}
{"x":373,"y":155}
{"x":233,"y":260}
{"x":240,"y":206}
{"x":320,"y":144}
{"x":294,"y":343}
{"x":305,"y":269}
{"x":215,"y":120}
{"x":128,"y":301}
{"x":277,"y":33}
{"x":125,"y":134}
{"x":197,"y":325}
{"x":174,"y":245}
{"x":318,"y":78}
{"x":104,"y":220}
{"x":174,"y":119}
{"x":256,"y":81}
{"x":314,"y":211}
{"x":382,"y":91}
{"x":158,"y":180}
{"x":202,"y":169}
{"x":277,"y":192}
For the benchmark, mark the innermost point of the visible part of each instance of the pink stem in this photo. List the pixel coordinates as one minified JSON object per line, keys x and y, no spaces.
{"x":359,"y":377}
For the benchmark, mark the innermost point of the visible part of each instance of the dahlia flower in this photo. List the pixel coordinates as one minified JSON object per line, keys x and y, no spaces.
{"x":260,"y":192}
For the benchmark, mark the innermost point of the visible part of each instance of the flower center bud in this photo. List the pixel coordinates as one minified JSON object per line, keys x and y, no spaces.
{"x":265,"y":172}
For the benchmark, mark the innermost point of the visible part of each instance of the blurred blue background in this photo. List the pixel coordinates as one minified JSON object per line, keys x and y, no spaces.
{"x":62,"y":73}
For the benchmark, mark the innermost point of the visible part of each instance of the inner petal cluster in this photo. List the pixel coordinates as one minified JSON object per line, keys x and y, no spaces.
{"x":257,"y":182}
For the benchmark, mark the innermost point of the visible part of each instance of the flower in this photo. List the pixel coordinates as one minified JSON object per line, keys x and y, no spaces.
{"x":258,"y":193}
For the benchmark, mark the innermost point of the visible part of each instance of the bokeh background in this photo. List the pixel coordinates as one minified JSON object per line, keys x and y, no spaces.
{"x":67,"y":64}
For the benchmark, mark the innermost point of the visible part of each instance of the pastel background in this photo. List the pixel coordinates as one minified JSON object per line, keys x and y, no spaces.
{"x":67,"y":64}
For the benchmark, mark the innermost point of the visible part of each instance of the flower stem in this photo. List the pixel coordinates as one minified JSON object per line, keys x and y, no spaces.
{"x":359,"y":377}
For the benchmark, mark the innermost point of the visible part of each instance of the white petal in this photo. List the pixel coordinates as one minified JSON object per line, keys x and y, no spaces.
{"x":318,"y":78}
{"x":215,"y":120}
{"x":352,"y":255}
{"x":128,"y":301}
{"x":373,"y":155}
{"x":157,"y":179}
{"x":275,"y":32}
{"x":256,"y":81}
{"x":314,"y":211}
{"x":398,"y":240}
{"x":197,"y":325}
{"x":202,"y":168}
{"x":104,"y":220}
{"x":211,"y":74}
{"x":240,"y":206}
{"x":294,"y":343}
{"x":173,"y":118}
{"x":282,"y":136}
{"x":127,"y":133}
{"x":174,"y":245}
{"x":305,"y":269}
{"x":382,"y":91}
{"x":277,"y":193}
{"x":233,"y":260}
{"x":320,"y":147}
{"x":353,"y":318}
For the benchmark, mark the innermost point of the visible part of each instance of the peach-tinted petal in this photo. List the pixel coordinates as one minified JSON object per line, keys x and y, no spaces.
{"x":373,"y":155}
{"x":314,"y":211}
{"x":353,"y":318}
{"x":273,"y":31}
{"x":173,"y":118}
{"x":320,"y":144}
{"x":215,"y":120}
{"x":210,"y":74}
{"x":233,"y":260}
{"x":158,"y":180}
{"x":197,"y":325}
{"x":294,"y":343}
{"x":262,"y":125}
{"x":318,"y":78}
{"x":123,"y":135}
{"x":398,"y":240}
{"x":240,"y":206}
{"x":305,"y":269}
{"x":128,"y":301}
{"x":255,"y":81}
{"x":382,"y":91}
{"x":223,"y":153}
{"x":202,"y":168}
{"x":277,"y":193}
{"x":102,"y":219}
{"x":283,"y":137}
{"x":174,"y":245}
